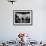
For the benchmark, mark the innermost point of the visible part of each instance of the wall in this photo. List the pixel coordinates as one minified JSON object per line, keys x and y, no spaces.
{"x":38,"y":30}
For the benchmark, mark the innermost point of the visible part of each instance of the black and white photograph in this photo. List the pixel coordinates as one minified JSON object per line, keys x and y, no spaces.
{"x":22,"y":17}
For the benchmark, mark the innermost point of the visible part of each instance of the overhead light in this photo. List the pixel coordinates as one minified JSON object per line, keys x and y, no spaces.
{"x":12,"y":1}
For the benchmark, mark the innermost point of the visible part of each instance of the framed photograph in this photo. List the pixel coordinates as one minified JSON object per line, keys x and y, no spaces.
{"x":22,"y":17}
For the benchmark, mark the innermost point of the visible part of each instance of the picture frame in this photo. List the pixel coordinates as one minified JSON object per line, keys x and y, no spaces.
{"x":22,"y":17}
